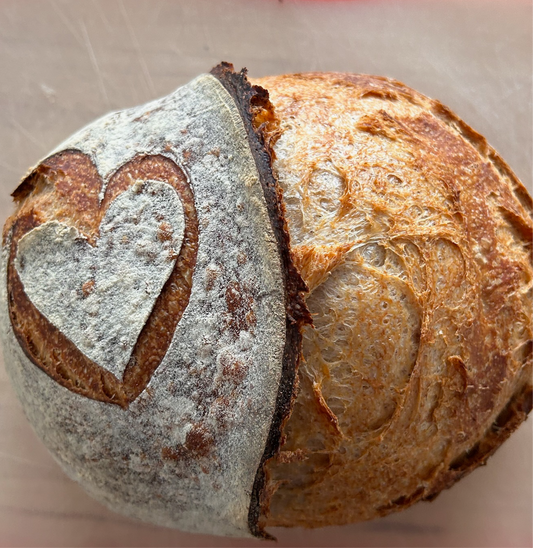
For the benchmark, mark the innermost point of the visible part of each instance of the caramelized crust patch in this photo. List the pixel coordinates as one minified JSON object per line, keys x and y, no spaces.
{"x":422,"y":349}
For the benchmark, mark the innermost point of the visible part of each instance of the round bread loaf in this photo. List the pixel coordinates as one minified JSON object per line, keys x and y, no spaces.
{"x":153,"y":314}
{"x":415,"y":240}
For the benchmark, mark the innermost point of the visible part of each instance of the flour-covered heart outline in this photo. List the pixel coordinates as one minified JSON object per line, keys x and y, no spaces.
{"x":101,"y":296}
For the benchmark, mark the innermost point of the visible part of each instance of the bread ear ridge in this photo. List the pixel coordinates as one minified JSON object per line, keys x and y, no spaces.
{"x":254,"y":106}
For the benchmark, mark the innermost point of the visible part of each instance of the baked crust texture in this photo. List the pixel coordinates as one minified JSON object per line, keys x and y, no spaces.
{"x":178,"y":439}
{"x":414,"y":238}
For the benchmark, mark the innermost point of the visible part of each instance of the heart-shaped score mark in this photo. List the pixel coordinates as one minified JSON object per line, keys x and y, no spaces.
{"x":96,"y":290}
{"x":100,"y":297}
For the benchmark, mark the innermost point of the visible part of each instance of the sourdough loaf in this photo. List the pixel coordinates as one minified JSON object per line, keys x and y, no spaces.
{"x":153,"y":312}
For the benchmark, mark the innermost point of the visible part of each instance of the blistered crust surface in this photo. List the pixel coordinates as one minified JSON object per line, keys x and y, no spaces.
{"x":185,"y":451}
{"x":415,"y":240}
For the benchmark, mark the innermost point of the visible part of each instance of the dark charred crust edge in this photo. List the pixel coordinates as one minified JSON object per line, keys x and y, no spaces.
{"x":247,"y":97}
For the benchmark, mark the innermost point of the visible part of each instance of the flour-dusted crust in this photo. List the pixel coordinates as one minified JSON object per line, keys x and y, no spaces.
{"x":415,"y":239}
{"x":66,"y":187}
{"x":175,"y":430}
{"x":86,"y":291}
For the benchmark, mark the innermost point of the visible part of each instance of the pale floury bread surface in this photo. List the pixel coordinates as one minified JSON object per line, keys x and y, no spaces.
{"x":414,"y":237}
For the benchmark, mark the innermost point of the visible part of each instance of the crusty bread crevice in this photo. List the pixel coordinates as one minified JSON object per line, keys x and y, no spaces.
{"x":261,"y":127}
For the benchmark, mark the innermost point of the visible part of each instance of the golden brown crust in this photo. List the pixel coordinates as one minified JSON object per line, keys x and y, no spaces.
{"x":415,"y":237}
{"x":65,"y":187}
